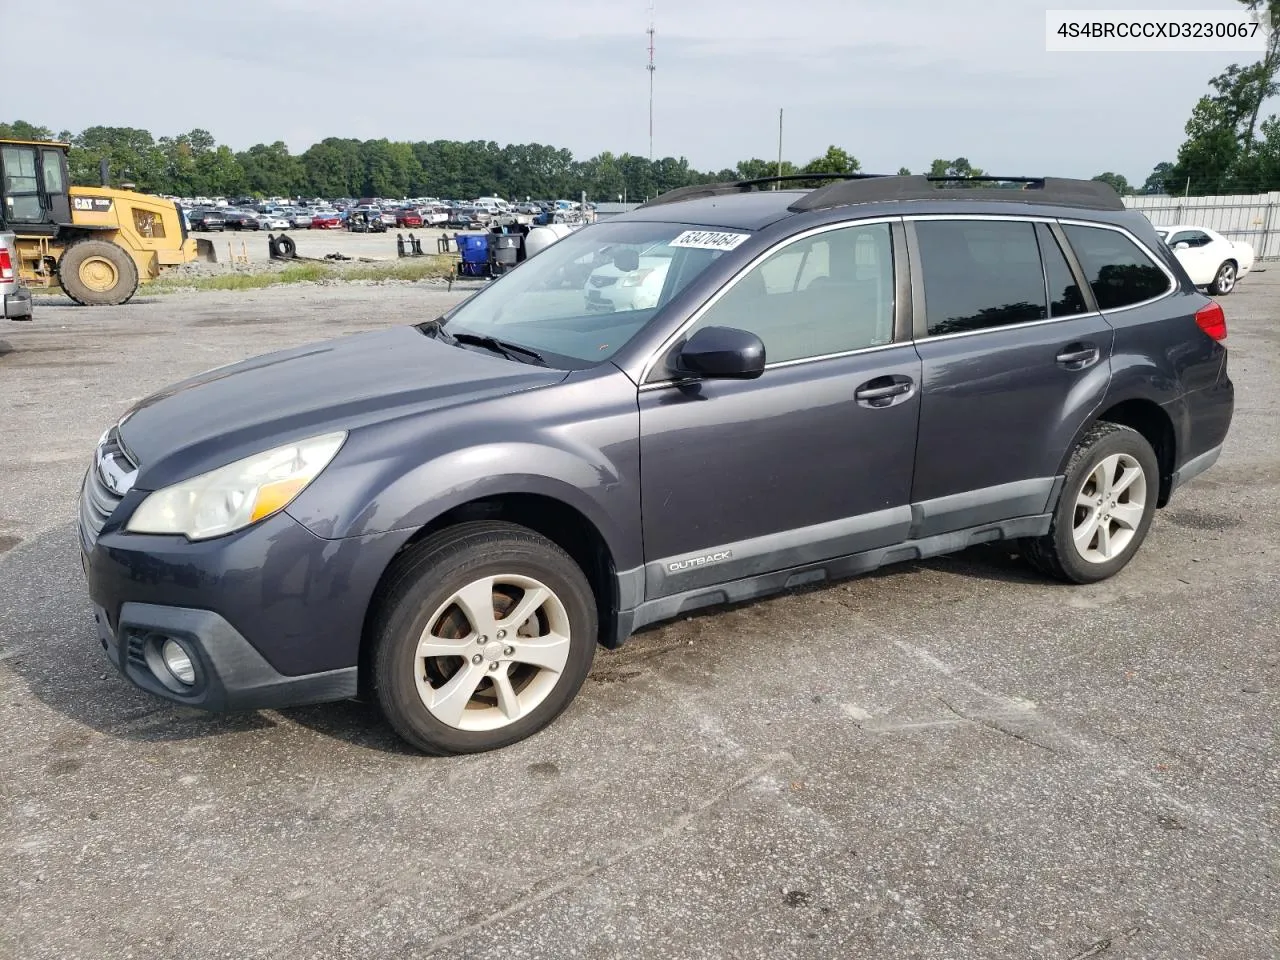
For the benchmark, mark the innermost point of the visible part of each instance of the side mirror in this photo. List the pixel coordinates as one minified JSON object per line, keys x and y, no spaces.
{"x":1182,"y":245}
{"x":723,"y":353}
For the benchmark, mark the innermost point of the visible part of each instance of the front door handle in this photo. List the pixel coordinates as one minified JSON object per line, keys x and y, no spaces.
{"x":883,"y":391}
{"x":1077,"y":356}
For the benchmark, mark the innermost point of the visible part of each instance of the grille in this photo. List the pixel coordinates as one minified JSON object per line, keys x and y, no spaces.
{"x":137,"y":648}
{"x":97,"y":500}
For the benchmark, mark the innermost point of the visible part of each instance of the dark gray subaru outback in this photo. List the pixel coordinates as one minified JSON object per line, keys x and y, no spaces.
{"x":728,"y":392}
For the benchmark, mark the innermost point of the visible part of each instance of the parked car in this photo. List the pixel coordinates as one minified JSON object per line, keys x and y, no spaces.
{"x":1210,"y":259}
{"x":830,"y":381}
{"x":436,"y":215}
{"x":268,"y":221}
{"x":240,"y":219}
{"x":325,"y":220}
{"x":208,"y":220}
{"x":388,"y":217}
{"x":301,"y":219}
{"x":15,"y":298}
{"x":408,"y":217}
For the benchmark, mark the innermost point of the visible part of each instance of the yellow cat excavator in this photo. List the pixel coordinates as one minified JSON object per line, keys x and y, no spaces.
{"x":96,"y":243}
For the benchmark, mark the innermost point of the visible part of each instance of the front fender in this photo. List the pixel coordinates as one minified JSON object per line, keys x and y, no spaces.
{"x":385,"y":495}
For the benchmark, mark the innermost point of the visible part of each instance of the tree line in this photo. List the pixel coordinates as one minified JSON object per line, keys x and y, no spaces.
{"x":195,"y":164}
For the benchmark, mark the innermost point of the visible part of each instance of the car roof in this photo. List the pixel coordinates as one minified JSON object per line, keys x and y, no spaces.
{"x":746,"y":211}
{"x":752,"y":205}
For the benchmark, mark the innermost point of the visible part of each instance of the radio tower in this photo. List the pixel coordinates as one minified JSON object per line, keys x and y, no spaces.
{"x":651,"y":68}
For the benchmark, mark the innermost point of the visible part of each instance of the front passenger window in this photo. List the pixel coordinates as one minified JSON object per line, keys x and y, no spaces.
{"x":825,"y":294}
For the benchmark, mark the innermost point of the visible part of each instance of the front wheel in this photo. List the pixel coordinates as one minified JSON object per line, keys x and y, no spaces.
{"x":1224,"y":281}
{"x":1108,"y":500}
{"x":484,"y":634}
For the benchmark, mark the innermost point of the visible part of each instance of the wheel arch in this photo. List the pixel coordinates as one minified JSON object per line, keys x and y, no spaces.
{"x":559,"y":521}
{"x":1155,"y":425}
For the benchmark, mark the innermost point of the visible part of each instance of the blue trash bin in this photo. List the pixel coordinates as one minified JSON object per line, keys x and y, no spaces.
{"x":474,"y":248}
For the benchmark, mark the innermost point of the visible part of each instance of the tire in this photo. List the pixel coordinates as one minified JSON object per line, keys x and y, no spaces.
{"x":1127,"y":520}
{"x":419,"y":600}
{"x":1224,"y":281}
{"x":97,"y":273}
{"x":285,"y":247}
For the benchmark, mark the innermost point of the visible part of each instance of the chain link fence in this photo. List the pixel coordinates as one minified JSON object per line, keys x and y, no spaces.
{"x":1253,"y":218}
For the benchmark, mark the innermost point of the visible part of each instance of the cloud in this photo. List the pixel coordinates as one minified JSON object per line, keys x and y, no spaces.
{"x":896,"y":82}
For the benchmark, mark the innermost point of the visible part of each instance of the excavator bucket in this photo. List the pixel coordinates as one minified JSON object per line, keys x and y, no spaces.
{"x":205,"y":251}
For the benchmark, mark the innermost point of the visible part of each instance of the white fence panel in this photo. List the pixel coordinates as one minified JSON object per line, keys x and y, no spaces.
{"x":1250,"y":217}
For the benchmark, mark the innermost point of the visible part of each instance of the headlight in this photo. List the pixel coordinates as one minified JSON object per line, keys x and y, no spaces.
{"x":237,"y":495}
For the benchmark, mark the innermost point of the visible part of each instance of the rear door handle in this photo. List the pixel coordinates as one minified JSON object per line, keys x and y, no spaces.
{"x":1077,"y":356}
{"x":883,"y":391}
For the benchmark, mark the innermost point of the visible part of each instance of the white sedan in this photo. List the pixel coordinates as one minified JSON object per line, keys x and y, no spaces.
{"x":1210,"y":259}
{"x":272,"y":221}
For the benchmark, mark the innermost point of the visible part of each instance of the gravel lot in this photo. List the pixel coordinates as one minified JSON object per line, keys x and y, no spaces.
{"x":952,"y":759}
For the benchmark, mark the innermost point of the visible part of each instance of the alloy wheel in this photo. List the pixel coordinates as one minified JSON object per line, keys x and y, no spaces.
{"x":492,"y":652}
{"x":1109,"y":508}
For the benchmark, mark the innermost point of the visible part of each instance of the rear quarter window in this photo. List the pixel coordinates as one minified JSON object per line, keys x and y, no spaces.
{"x":1120,"y":273}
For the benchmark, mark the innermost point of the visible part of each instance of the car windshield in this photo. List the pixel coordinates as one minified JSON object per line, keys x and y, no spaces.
{"x":581,"y":299}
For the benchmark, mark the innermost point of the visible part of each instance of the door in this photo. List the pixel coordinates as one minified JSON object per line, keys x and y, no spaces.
{"x":20,"y":190}
{"x":1015,"y":358}
{"x":813,"y":459}
{"x":53,"y":173}
{"x":1197,"y":257}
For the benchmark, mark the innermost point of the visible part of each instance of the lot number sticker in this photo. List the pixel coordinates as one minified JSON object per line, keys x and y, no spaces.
{"x":709,"y":240}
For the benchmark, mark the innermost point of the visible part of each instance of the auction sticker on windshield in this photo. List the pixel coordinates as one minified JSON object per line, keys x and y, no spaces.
{"x":709,"y":240}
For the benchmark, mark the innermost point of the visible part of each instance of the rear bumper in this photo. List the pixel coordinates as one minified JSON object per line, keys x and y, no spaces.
{"x":1194,"y":467}
{"x":17,"y":305}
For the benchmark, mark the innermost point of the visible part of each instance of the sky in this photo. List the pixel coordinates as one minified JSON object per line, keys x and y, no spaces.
{"x":895,"y":82}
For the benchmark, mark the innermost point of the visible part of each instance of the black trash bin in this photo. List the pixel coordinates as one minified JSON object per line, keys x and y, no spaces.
{"x":504,"y":249}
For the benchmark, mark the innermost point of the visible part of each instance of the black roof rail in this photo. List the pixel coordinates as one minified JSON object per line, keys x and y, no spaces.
{"x":694,"y":191}
{"x":1056,"y":191}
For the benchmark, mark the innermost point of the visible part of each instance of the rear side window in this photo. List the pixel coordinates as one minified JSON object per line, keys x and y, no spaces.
{"x":1116,"y":268}
{"x":980,"y":274}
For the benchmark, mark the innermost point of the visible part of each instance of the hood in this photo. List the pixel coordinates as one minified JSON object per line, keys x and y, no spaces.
{"x":234,"y":411}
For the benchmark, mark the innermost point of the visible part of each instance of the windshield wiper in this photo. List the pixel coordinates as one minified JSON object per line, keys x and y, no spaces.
{"x":512,"y":351}
{"x":435,"y":328}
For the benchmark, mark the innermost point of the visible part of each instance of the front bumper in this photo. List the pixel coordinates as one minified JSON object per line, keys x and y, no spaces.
{"x":17,"y":305}
{"x":230,"y":674}
{"x":272,"y":616}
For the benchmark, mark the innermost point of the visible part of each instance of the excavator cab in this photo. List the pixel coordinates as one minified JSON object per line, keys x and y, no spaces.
{"x":35,"y":193}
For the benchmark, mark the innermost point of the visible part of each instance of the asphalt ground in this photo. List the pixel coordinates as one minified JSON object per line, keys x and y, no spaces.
{"x":950,"y":759}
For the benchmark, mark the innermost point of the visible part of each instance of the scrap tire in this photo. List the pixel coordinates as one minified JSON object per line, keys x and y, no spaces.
{"x":88,"y":261}
{"x":286,"y":249}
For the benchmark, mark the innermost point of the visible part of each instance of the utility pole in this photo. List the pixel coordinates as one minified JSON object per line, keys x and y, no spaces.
{"x":775,"y":186}
{"x":651,"y":68}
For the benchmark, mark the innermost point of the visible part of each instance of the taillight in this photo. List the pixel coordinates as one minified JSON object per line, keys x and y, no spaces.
{"x":1212,"y":321}
{"x":6,"y":265}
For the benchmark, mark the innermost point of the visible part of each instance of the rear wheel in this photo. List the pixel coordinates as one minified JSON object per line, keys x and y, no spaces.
{"x":484,"y":634}
{"x":1108,"y":501}
{"x":96,"y":273}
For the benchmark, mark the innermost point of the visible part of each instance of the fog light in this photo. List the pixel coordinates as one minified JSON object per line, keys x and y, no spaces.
{"x":178,"y":661}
